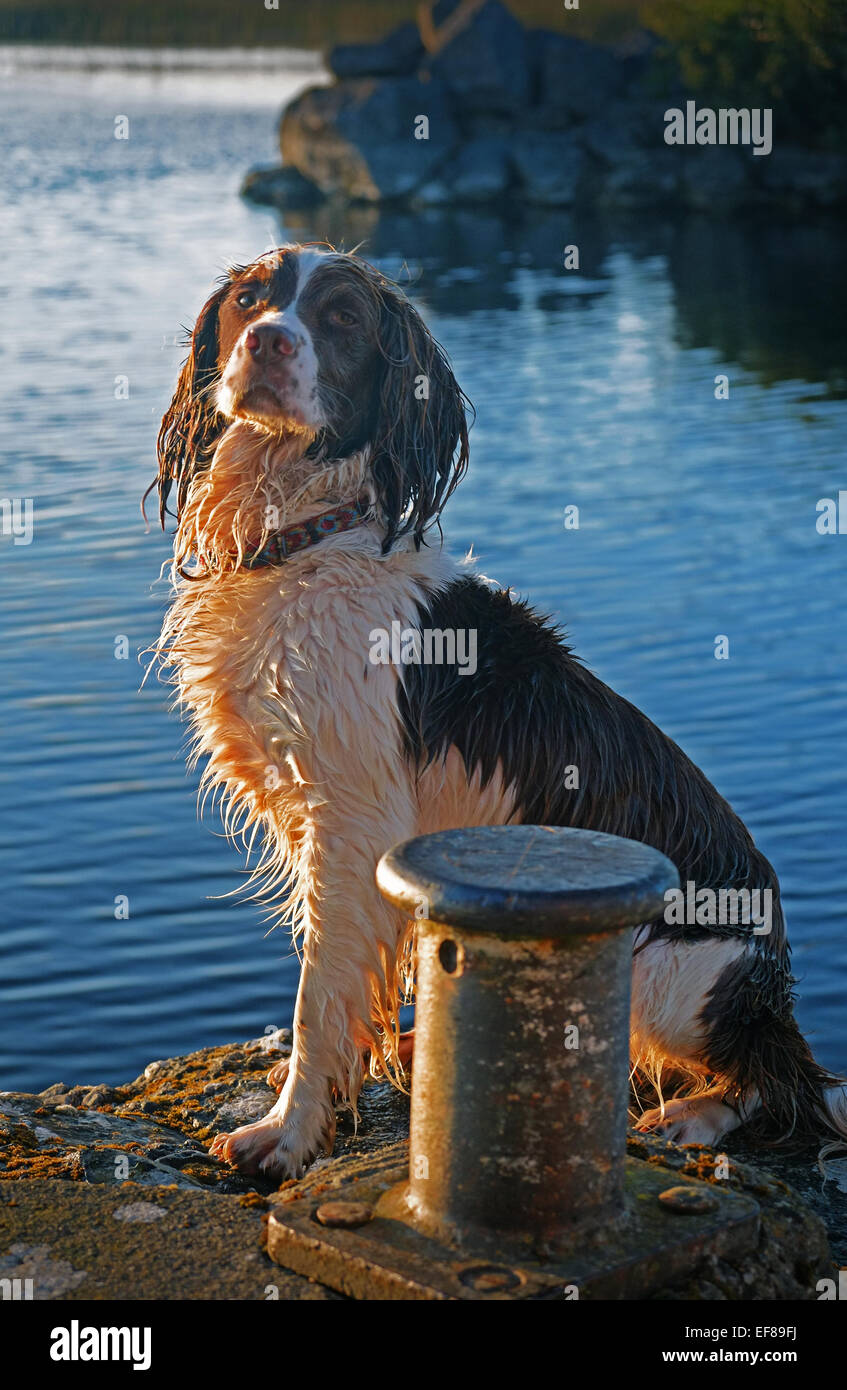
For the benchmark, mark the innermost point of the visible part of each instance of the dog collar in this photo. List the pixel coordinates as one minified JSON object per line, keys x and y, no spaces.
{"x":289,"y":541}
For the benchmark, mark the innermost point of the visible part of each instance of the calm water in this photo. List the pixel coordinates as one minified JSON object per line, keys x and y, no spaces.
{"x":595,"y":389}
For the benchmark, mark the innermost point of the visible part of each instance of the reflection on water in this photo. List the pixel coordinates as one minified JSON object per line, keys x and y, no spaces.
{"x":596,"y":388}
{"x":769,"y":296}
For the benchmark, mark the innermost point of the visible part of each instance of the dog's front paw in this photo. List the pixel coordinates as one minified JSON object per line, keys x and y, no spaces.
{"x":703,"y":1119}
{"x":280,"y":1146}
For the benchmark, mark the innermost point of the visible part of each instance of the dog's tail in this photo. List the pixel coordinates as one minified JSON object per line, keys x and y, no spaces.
{"x":756,"y":1044}
{"x":824,"y":1102}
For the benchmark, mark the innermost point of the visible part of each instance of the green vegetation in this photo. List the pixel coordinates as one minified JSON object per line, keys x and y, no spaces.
{"x":788,"y":54}
{"x":315,"y":24}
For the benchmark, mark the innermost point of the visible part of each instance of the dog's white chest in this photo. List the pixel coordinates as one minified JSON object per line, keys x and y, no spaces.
{"x":274,"y":661}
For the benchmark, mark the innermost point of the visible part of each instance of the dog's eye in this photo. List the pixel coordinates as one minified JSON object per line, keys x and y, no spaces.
{"x":246,"y":299}
{"x":342,"y":318}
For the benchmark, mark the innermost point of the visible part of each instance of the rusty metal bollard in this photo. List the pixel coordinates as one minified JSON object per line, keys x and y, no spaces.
{"x":516,"y":1183}
{"x":524,"y":956}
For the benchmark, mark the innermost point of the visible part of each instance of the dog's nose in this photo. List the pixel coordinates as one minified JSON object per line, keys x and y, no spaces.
{"x":269,"y":340}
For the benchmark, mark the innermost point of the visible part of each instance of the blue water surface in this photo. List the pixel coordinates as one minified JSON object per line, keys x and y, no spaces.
{"x":593,"y":388}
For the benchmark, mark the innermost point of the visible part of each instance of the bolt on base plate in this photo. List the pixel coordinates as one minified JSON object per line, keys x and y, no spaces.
{"x":365,"y":1255}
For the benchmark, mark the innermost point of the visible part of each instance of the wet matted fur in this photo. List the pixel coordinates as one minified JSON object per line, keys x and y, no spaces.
{"x":312,"y":382}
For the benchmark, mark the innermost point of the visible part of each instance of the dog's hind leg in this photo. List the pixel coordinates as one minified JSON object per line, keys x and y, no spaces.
{"x":673,"y":982}
{"x":721,"y":1009}
{"x":699,"y":1119}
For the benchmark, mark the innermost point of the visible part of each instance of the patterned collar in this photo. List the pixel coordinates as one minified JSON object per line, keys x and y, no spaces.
{"x":281,"y":544}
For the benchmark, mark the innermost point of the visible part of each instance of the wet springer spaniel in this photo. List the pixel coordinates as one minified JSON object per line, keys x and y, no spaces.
{"x":315,"y":435}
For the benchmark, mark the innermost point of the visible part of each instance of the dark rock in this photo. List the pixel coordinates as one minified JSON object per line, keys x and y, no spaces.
{"x":553,"y":118}
{"x":624,"y":127}
{"x":172,"y":1154}
{"x":60,"y":1143}
{"x":486,"y":125}
{"x":822,"y":1186}
{"x":578,"y":119}
{"x":108,"y":1166}
{"x":713,"y":176}
{"x":359,"y":138}
{"x":184,"y":1158}
{"x":243,"y":1107}
{"x":549,"y":167}
{"x":397,"y":55}
{"x":582,"y":78}
{"x":442,"y":9}
{"x":802,"y":176}
{"x":98,"y":1096}
{"x":479,"y":172}
{"x":280,"y":186}
{"x":74,"y":1095}
{"x":235,"y":1184}
{"x":636,"y":54}
{"x":641,"y":177}
{"x":486,"y":66}
{"x":41,"y":1139}
{"x":627,"y":143}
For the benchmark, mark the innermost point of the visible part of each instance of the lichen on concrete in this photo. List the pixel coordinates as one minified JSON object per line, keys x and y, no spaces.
{"x":110,"y":1192}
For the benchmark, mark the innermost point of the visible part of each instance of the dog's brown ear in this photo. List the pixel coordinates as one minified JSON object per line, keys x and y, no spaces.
{"x":191,"y":424}
{"x":420,"y":444}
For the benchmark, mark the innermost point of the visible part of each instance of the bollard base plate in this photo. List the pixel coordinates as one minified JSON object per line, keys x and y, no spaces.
{"x":389,"y":1259}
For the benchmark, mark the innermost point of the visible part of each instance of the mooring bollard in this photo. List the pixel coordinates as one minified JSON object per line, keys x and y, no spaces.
{"x":524,"y":955}
{"x":516,"y":1183}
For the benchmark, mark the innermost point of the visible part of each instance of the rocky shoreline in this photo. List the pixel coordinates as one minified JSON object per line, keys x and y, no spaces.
{"x":502,"y":115}
{"x":110,"y":1192}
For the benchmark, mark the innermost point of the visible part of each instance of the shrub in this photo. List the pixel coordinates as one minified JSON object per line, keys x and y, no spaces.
{"x":787,"y":54}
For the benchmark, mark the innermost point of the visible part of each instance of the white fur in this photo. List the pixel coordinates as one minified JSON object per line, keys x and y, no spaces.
{"x":699,"y":1119}
{"x":304,"y":745}
{"x":302,"y":398}
{"x":671,"y":983}
{"x":303,"y":739}
{"x":301,"y":395}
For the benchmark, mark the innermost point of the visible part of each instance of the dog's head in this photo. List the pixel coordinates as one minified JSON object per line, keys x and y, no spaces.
{"x":318,"y":344}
